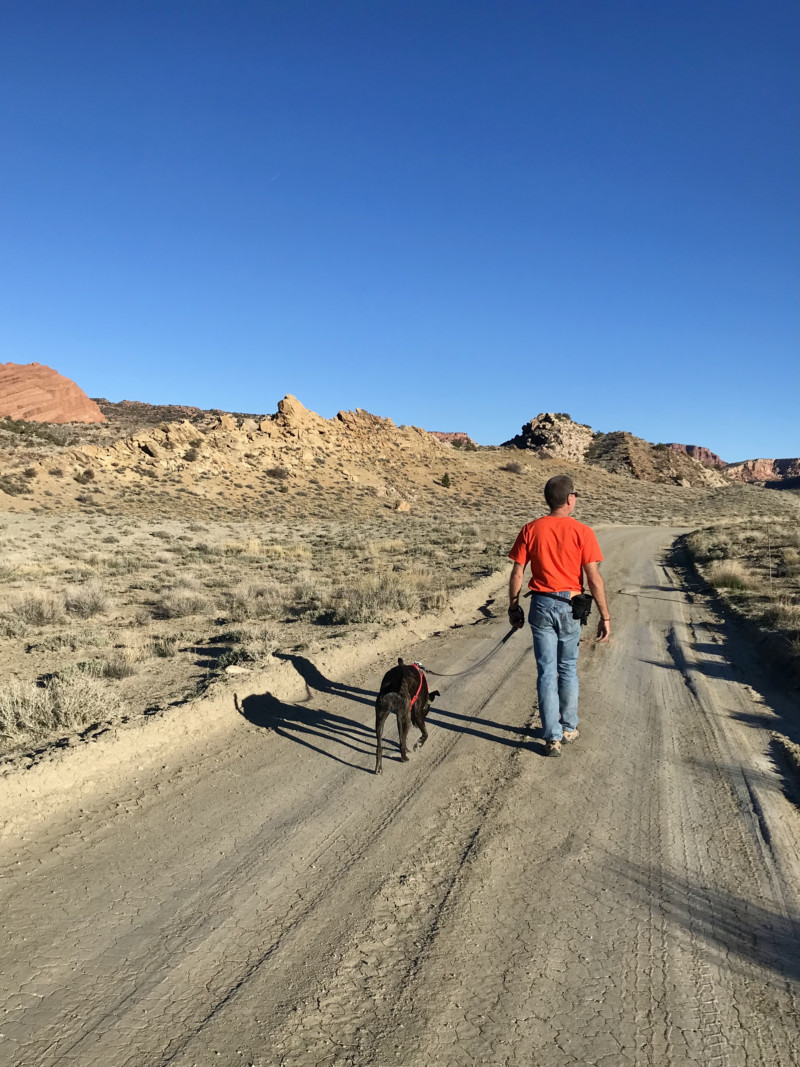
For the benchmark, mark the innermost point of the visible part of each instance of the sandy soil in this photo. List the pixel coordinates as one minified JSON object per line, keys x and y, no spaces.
{"x":248,"y":892}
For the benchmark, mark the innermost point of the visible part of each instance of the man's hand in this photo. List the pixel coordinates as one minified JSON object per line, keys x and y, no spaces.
{"x":516,"y":616}
{"x":603,"y":630}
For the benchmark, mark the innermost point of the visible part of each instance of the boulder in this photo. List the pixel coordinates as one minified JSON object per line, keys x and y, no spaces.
{"x":37,"y":393}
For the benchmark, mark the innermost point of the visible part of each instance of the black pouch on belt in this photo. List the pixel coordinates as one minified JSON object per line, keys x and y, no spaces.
{"x":581,"y":606}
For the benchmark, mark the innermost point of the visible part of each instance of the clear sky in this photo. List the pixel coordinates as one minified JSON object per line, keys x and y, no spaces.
{"x":458,"y":213}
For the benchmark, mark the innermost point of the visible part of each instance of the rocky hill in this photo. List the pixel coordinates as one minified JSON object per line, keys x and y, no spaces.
{"x":556,"y":436}
{"x":37,"y":393}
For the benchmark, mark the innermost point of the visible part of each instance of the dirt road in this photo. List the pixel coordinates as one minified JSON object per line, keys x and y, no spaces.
{"x":263,"y":899}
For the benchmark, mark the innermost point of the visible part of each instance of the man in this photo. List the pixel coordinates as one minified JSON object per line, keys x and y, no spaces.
{"x":561,"y":551}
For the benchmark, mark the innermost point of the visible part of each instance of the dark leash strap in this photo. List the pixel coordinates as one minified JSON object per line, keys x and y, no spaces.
{"x":480,"y":663}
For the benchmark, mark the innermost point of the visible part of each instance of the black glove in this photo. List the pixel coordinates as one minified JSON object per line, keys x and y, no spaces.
{"x":516,"y":616}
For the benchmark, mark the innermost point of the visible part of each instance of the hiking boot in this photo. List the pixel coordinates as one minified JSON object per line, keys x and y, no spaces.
{"x":552,"y":748}
{"x":570,"y":735}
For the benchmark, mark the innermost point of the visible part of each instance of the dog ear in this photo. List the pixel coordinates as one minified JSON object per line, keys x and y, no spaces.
{"x":399,"y":661}
{"x":432,"y":696}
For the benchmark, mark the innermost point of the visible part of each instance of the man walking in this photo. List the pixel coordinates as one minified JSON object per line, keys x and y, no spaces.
{"x":561,"y":551}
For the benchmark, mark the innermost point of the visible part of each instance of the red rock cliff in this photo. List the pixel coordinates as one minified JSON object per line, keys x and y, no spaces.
{"x":37,"y":393}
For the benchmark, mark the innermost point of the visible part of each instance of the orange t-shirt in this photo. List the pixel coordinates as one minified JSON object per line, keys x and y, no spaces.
{"x":556,"y":549}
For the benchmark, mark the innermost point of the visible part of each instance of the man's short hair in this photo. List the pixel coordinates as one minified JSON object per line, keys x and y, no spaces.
{"x":557,"y":490}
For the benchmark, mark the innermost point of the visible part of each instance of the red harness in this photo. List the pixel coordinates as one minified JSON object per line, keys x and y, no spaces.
{"x":421,"y":674}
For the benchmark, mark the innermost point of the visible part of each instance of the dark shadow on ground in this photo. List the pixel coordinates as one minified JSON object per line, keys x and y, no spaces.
{"x":315,"y":679}
{"x":465,"y":724}
{"x":307,"y":725}
{"x":721,"y":922}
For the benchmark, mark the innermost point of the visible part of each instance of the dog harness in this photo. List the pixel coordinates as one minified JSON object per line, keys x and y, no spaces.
{"x":421,"y":673}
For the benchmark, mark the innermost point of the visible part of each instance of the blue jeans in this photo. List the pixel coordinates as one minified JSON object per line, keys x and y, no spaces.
{"x":555,"y":644}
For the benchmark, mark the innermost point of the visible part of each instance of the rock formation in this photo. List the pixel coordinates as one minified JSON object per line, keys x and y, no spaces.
{"x":764,"y":470}
{"x":460,"y":440}
{"x":554,"y":436}
{"x":37,"y":393}
{"x":702,"y":455}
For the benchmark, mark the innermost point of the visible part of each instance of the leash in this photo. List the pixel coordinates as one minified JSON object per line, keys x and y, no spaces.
{"x":474,"y":667}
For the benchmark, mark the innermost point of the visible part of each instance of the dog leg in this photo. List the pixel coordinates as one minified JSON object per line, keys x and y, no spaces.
{"x":419,"y":722}
{"x":381,"y":714}
{"x":403,"y":725}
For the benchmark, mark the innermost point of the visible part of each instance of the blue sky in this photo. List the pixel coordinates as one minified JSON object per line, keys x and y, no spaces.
{"x":458,"y":213}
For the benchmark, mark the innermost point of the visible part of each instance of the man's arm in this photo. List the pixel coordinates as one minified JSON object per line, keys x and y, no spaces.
{"x":598,"y":590}
{"x":516,"y":616}
{"x":515,"y":584}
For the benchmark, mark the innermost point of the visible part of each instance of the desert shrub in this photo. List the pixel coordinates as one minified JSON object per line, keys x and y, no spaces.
{"x":783,"y":614}
{"x":729,"y":574}
{"x":179,"y":602}
{"x":29,"y":472}
{"x":84,"y":477}
{"x":233,"y":656}
{"x":118,"y":667}
{"x":513,"y":468}
{"x":86,"y":600}
{"x":190,"y":455}
{"x":11,"y":486}
{"x":707,"y":545}
{"x":164,"y":647}
{"x":68,"y":704}
{"x":56,"y":472}
{"x":371,"y":598}
{"x":279,"y":473}
{"x":40,"y":608}
{"x":446,"y":480}
{"x":252,"y":602}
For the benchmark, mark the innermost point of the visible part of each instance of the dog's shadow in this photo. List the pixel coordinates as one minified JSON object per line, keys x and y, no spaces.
{"x":315,"y":679}
{"x":308,"y":726}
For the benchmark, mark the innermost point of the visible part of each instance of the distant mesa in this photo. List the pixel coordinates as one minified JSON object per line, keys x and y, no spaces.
{"x":37,"y":393}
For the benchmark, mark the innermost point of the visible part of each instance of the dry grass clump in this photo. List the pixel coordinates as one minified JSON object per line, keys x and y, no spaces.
{"x":729,"y":574}
{"x":86,"y":600}
{"x":179,"y":602}
{"x":30,"y":713}
{"x":39,"y":608}
{"x":372,"y":598}
{"x":710,"y":544}
{"x":254,"y":601}
{"x":784,"y":614}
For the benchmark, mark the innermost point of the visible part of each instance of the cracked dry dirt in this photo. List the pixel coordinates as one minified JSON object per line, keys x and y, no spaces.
{"x":261,"y":898}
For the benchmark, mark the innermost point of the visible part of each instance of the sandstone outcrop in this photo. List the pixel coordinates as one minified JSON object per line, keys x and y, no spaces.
{"x":764,"y":470}
{"x":37,"y":393}
{"x":698,"y":452}
{"x":460,"y":440}
{"x":554,"y":436}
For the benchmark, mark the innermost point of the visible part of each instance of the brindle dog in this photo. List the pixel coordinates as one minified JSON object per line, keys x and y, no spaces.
{"x":396,"y":694}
